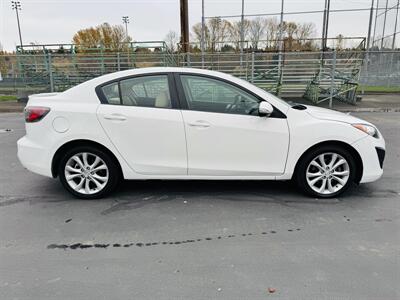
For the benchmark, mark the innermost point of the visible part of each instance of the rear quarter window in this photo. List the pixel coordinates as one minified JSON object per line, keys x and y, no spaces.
{"x":111,"y":93}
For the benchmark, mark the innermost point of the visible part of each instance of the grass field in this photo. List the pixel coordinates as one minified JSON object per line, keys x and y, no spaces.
{"x":8,"y":98}
{"x":380,"y":89}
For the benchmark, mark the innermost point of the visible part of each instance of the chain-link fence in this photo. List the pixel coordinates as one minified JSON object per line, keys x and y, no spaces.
{"x":317,"y":76}
{"x":381,"y":69}
{"x":386,"y":27}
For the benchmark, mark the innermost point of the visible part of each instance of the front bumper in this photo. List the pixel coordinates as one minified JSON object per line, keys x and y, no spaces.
{"x":372,"y":152}
{"x":34,"y":157}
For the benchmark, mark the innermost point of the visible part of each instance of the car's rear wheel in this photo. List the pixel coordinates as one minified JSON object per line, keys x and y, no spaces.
{"x":88,"y":173}
{"x":326,"y":172}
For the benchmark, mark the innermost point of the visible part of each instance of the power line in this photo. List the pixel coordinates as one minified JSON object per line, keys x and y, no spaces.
{"x":297,"y":13}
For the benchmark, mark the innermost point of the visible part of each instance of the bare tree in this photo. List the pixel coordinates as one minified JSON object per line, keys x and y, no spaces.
{"x":256,"y":31}
{"x":235,"y":31}
{"x":196,"y":34}
{"x":272,"y":29}
{"x":305,"y":31}
{"x":218,"y":31}
{"x":172,"y":39}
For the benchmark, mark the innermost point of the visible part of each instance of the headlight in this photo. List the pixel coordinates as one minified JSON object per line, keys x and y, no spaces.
{"x":368,"y":129}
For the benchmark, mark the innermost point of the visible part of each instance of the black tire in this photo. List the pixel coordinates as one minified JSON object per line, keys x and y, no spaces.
{"x":114,"y":172}
{"x":305,"y":160}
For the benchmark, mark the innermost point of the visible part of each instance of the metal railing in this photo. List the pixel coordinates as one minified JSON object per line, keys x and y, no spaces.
{"x":318,"y":76}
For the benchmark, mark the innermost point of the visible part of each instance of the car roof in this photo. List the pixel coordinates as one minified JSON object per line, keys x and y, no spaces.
{"x":151,"y":70}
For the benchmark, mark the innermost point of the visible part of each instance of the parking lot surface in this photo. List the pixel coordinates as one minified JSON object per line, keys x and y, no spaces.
{"x":198,"y":239}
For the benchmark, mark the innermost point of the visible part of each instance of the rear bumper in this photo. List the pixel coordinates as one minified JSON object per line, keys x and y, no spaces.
{"x":372,"y":152}
{"x":34,"y":157}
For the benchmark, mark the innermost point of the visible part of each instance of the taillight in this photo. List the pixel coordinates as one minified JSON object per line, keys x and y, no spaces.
{"x":35,"y":113}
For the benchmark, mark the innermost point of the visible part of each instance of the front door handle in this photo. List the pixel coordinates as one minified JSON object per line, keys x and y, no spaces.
{"x":115,"y":117}
{"x":200,"y":124}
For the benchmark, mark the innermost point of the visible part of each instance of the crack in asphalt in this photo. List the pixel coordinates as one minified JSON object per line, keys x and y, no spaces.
{"x":140,"y":244}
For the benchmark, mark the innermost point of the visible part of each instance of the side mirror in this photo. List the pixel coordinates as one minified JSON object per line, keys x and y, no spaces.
{"x":265,"y":109}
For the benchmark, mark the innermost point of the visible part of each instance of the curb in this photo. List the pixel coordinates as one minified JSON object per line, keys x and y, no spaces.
{"x":11,"y":110}
{"x":372,"y":109}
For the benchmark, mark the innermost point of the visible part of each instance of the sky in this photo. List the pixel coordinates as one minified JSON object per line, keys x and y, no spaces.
{"x":56,"y":21}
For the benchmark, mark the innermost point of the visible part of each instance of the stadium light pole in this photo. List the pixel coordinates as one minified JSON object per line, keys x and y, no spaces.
{"x":366,"y":58}
{"x":17,"y":6}
{"x":280,"y":46}
{"x":125,"y":20}
{"x":395,"y":26}
{"x":384,"y":24}
{"x":370,"y":25}
{"x":376,"y":17}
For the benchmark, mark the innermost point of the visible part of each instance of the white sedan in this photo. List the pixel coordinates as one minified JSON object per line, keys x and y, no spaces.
{"x":181,"y":123}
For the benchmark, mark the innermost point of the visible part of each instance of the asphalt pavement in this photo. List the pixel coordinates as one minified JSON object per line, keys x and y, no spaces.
{"x":198,"y":239}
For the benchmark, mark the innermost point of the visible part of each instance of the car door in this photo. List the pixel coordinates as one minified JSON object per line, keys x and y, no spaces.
{"x":225,"y":135}
{"x":141,"y":118}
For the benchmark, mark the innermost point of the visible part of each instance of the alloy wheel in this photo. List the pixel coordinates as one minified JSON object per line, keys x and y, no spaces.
{"x":328,"y":173}
{"x":86,"y":173}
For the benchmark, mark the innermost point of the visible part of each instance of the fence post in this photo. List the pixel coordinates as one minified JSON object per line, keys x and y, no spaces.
{"x":118,"y":62}
{"x":390,"y":70}
{"x":102,"y":60}
{"x":364,"y":70}
{"x":188,"y":59}
{"x":252,"y":67}
{"x":280,"y":75}
{"x":49,"y":63}
{"x":332,"y":77}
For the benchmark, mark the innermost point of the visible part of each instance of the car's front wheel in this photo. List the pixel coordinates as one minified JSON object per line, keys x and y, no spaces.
{"x":326,"y":172}
{"x":88,"y":173}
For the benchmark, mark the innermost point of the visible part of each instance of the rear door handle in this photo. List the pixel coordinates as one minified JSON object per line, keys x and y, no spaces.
{"x":200,"y":124}
{"x":115,"y":117}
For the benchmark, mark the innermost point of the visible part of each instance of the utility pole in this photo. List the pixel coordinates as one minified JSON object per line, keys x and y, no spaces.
{"x":203,"y":25}
{"x":17,"y":6}
{"x":184,"y":25}
{"x":241,"y":34}
{"x":125,"y":20}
